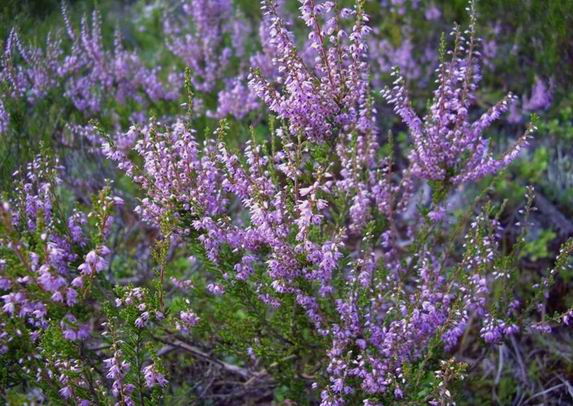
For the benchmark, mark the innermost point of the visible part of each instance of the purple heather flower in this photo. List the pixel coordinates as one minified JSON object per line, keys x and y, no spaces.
{"x":236,"y":100}
{"x":4,"y":118}
{"x":188,"y":318}
{"x":446,"y":145}
{"x":142,"y":320}
{"x":312,"y":106}
{"x":437,"y":214}
{"x":540,"y":97}
{"x":201,"y":45}
{"x":87,"y":72}
{"x":541,"y":328}
{"x":95,"y":261}
{"x":116,"y":371}
{"x":153,"y":377}
{"x":66,"y":392}
{"x":432,"y":12}
{"x":568,"y":318}
{"x":11,"y":300}
{"x":215,"y":289}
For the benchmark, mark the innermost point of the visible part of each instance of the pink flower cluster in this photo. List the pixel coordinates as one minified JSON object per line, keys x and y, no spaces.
{"x":447,"y":144}
{"x":81,"y":69}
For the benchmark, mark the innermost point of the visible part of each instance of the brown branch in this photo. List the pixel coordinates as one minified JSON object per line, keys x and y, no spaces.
{"x":198,"y":353}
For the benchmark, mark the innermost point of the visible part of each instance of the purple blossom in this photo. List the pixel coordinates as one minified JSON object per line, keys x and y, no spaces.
{"x":117,"y":368}
{"x":85,"y":70}
{"x":153,"y":377}
{"x":66,"y":392}
{"x":4,"y":118}
{"x":95,"y":261}
{"x":215,"y":289}
{"x":186,"y":320}
{"x":311,"y":106}
{"x":567,"y":318}
{"x":432,"y":12}
{"x":446,"y":145}
{"x":201,"y":46}
{"x":236,"y":100}
{"x":540,"y":97}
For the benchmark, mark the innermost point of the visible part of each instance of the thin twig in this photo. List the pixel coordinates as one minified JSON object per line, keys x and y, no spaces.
{"x":545,"y":392}
{"x":244,"y":373}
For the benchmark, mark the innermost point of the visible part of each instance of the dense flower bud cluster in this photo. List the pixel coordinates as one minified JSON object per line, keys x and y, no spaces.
{"x":330,"y":94}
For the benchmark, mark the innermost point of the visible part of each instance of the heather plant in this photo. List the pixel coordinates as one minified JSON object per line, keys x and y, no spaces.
{"x":316,"y":220}
{"x":316,"y":100}
{"x":84,"y":70}
{"x":203,"y":48}
{"x":73,"y":75}
{"x":50,"y":265}
{"x":59,"y":328}
{"x":447,"y":146}
{"x":297,"y":253}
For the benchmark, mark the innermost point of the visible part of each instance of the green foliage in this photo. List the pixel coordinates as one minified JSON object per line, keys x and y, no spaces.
{"x":538,"y":248}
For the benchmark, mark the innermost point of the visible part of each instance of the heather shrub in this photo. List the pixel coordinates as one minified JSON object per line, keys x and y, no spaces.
{"x":291,"y":230}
